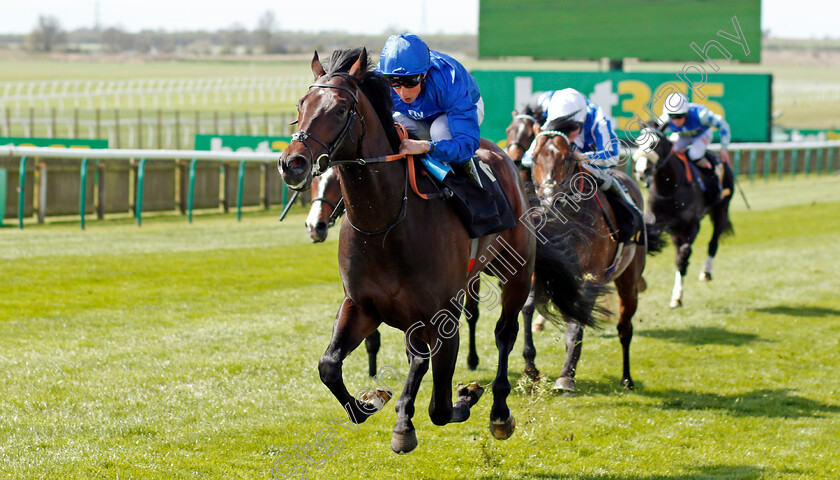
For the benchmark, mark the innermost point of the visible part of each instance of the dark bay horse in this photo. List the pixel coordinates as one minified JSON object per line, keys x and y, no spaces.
{"x":403,"y":260}
{"x":520,"y":134}
{"x":677,"y":204}
{"x":568,"y":190}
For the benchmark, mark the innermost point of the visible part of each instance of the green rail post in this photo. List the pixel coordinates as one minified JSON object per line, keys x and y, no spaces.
{"x":21,"y":191}
{"x":780,"y":165}
{"x":793,"y":163}
{"x":83,"y":192}
{"x":819,"y":161}
{"x":830,"y":160}
{"x":3,"y":179}
{"x":807,"y":162}
{"x":191,"y":190}
{"x":138,"y":202}
{"x":239,"y":191}
{"x":752,"y":165}
{"x":768,"y":157}
{"x":737,"y":166}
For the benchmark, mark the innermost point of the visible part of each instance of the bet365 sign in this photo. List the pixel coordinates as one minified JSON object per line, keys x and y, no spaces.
{"x":744,"y":100}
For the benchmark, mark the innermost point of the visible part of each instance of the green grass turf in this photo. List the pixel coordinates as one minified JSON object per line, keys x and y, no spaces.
{"x":190,"y":351}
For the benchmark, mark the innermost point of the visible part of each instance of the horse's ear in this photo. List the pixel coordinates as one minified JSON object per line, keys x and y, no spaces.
{"x":536,"y":128}
{"x":513,"y":114}
{"x":359,"y":68}
{"x":317,"y":68}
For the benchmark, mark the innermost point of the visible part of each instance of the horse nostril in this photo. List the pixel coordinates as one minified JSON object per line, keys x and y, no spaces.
{"x":297,"y":163}
{"x":321,"y":227}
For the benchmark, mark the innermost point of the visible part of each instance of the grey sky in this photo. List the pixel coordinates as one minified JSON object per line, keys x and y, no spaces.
{"x":809,"y":18}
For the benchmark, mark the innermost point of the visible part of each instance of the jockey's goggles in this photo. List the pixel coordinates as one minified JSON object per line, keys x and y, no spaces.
{"x":405,"y":81}
{"x":676,"y":116}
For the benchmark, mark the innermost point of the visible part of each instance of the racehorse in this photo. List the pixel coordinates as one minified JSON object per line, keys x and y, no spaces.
{"x":405,"y":261}
{"x":326,"y":194}
{"x":677,"y":203}
{"x":568,"y":190}
{"x":520,"y":134}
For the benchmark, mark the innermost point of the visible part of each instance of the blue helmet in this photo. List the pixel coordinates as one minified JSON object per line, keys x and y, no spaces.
{"x":404,"y":55}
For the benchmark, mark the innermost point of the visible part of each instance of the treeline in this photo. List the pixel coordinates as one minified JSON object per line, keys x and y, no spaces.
{"x":266,"y":38}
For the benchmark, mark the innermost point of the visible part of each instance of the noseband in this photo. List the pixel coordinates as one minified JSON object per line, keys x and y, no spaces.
{"x":325,"y":160}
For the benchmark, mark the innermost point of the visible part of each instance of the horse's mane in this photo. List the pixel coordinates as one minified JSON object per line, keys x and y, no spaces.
{"x":562,"y":124}
{"x":376,"y":88}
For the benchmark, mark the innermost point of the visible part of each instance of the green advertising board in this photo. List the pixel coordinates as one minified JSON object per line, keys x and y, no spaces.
{"x":240,"y":143}
{"x":744,"y":100}
{"x":53,"y":142}
{"x":661,"y":30}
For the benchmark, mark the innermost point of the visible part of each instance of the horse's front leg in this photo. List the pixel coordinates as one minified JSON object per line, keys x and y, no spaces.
{"x":574,"y":345}
{"x":351,"y":326}
{"x":683,"y":245}
{"x":404,"y":439}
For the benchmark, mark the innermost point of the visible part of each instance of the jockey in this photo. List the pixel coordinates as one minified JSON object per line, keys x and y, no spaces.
{"x":436,"y":99}
{"x":692,"y":124}
{"x":594,"y":137}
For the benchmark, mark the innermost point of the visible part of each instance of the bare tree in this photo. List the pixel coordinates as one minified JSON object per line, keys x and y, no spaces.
{"x":47,"y":34}
{"x":116,"y":40}
{"x":264,"y":34}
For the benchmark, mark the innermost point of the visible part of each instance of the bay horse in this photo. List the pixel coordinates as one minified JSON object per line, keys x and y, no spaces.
{"x":677,"y":203}
{"x":403,"y":260}
{"x":589,"y":220}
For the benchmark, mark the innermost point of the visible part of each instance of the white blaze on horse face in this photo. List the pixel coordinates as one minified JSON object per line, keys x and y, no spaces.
{"x":315,"y":209}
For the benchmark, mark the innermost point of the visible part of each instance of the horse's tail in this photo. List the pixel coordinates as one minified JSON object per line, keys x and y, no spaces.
{"x":560,"y":287}
{"x":655,"y":239}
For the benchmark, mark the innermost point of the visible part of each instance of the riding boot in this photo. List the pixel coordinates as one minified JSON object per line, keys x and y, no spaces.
{"x":711,"y":183}
{"x":619,"y":191}
{"x":628,"y":230}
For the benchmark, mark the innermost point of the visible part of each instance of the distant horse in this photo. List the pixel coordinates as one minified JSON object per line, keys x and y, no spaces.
{"x":677,"y":203}
{"x":590,"y":221}
{"x":520,"y":134}
{"x":403,"y":260}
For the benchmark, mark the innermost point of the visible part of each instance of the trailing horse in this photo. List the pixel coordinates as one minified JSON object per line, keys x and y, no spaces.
{"x":403,"y":260}
{"x":586,"y":217}
{"x":678,"y":203}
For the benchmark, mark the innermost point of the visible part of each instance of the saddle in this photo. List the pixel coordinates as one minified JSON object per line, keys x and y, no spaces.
{"x":479,"y":200}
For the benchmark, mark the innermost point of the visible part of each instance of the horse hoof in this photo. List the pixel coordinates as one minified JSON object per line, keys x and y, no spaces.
{"x":676,"y":303}
{"x":564,"y":384}
{"x":374,"y":400}
{"x":705,"y":276}
{"x":472,"y":362}
{"x":627,"y":383}
{"x":470,"y":393}
{"x":532,"y":372}
{"x":539,"y":324}
{"x":502,"y":430}
{"x":404,"y":442}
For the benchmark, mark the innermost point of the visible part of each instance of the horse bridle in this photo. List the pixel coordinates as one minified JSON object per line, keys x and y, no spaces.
{"x":550,"y":182}
{"x":527,"y":117}
{"x":319,"y":167}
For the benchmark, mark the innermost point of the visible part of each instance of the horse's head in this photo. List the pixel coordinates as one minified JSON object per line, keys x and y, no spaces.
{"x":654,"y":147}
{"x":520,"y":133}
{"x":554,"y":163}
{"x":329,"y":123}
{"x":326,"y":192}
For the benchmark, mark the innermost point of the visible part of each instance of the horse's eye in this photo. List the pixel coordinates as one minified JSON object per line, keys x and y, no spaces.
{"x":342,"y":109}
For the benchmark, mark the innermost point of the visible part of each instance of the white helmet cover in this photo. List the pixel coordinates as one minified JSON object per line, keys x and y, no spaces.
{"x":567,"y":102}
{"x":675,"y":104}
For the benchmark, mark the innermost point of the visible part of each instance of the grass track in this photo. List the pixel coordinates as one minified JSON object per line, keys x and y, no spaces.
{"x":190,"y":351}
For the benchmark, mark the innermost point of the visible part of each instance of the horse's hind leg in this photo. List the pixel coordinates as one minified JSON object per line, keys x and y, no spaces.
{"x":514,"y":294}
{"x":628,"y":295}
{"x":720,"y":224}
{"x":404,"y":439}
{"x":529,"y":351}
{"x":574,"y":343}
{"x":372,"y":343}
{"x":683,"y":245}
{"x":351,"y":326}
{"x":471,"y":313}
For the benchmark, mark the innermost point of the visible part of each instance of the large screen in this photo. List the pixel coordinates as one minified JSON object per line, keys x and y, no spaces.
{"x":662,"y":30}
